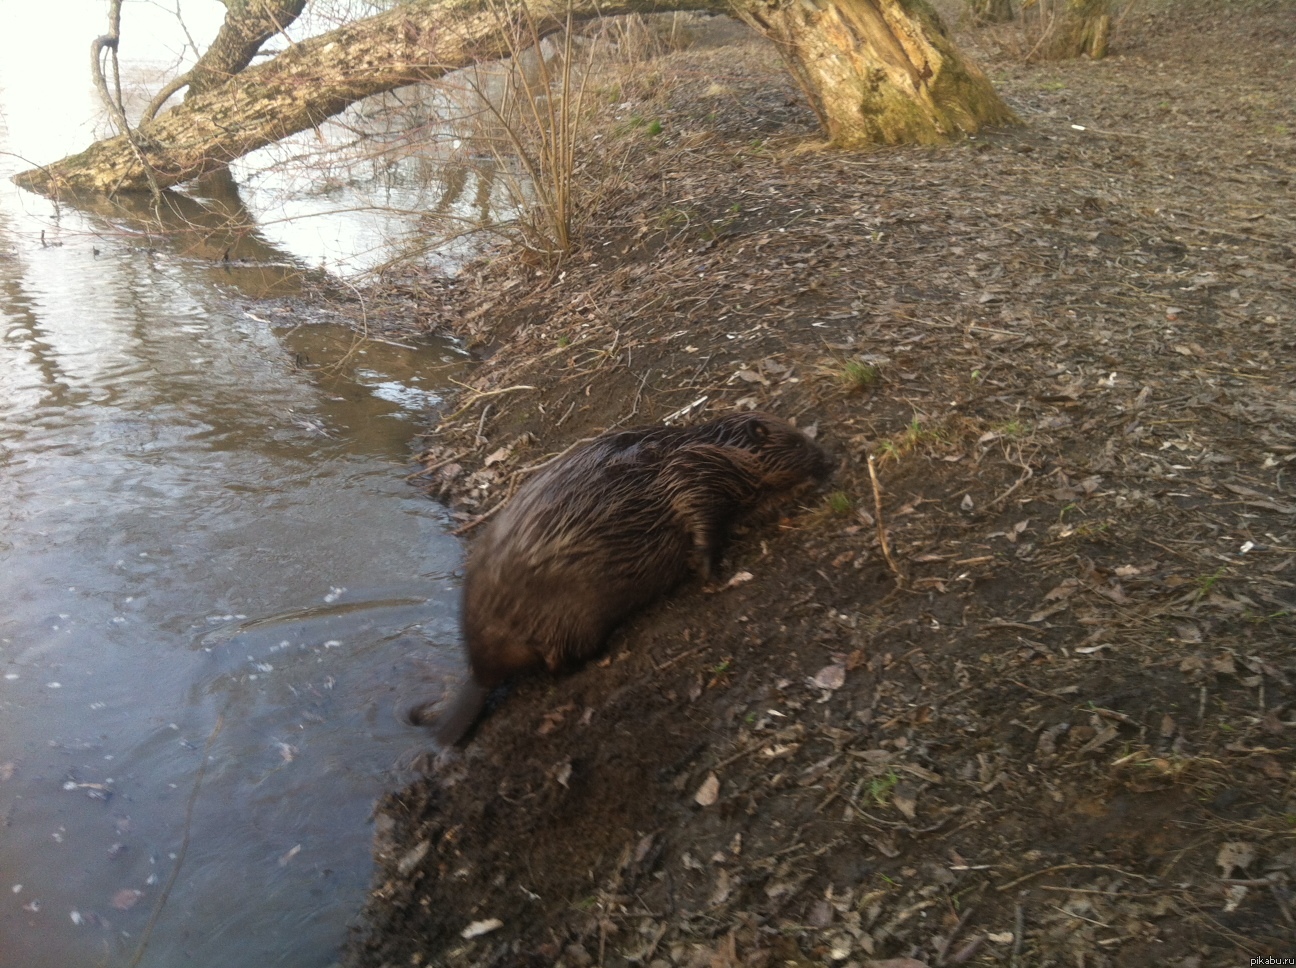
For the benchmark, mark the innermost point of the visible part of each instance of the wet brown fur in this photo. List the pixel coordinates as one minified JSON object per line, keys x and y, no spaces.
{"x":605,"y":530}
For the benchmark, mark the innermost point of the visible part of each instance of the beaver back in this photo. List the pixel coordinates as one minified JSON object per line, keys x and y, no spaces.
{"x":608,"y":528}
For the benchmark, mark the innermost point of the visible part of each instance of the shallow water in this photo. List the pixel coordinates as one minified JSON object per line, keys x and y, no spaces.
{"x":214,"y":581}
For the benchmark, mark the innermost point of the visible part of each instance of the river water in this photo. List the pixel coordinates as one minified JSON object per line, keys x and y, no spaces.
{"x":214,"y":581}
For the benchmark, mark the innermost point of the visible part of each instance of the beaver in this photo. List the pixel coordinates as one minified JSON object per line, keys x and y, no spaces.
{"x":602,"y":531}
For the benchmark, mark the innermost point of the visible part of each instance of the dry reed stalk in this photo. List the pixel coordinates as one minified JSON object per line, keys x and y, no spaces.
{"x":881,"y":523}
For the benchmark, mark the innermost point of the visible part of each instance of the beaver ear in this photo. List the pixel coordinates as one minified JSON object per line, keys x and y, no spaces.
{"x":758,"y":429}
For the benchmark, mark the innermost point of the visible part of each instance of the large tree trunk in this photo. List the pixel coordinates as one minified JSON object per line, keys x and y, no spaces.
{"x":1073,"y":28}
{"x":248,"y":24}
{"x":879,"y":71}
{"x":991,"y":11}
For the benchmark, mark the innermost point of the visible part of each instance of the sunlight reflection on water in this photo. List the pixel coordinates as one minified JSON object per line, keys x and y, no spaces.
{"x":198,"y":539}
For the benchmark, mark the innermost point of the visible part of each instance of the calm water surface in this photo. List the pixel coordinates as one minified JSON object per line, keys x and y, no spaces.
{"x":213,"y":578}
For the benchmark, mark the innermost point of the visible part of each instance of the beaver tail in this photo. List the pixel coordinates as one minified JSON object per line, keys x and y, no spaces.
{"x":449,"y":721}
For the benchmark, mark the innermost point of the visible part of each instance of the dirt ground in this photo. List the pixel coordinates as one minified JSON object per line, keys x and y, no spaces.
{"x":1058,"y":727}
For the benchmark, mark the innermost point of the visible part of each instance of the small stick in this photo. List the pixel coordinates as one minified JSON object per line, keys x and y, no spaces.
{"x":943,"y":953}
{"x":479,"y":520}
{"x":1070,"y":867}
{"x":881,"y":524}
{"x":1019,"y":928}
{"x":482,"y":395}
{"x":1006,"y":494}
{"x":437,"y":466}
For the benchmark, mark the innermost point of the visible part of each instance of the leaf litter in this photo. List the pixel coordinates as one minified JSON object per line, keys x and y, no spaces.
{"x":1062,"y":732}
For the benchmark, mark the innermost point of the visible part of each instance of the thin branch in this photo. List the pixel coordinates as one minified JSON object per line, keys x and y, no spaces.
{"x":164,"y":95}
{"x":881,"y":523}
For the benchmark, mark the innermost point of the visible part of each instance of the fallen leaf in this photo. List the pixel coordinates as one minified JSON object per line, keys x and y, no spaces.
{"x":830,"y":677}
{"x":125,"y":899}
{"x":1224,"y":664}
{"x":1044,"y":613}
{"x":1105,"y":736}
{"x":738,"y":578}
{"x":1235,"y":895}
{"x":722,"y":888}
{"x":1062,"y":591}
{"x":478,"y":928}
{"x":562,"y":772}
{"x":1234,"y":854}
{"x":553,"y":719}
{"x":708,"y":792}
{"x":411,"y":859}
{"x":905,"y":799}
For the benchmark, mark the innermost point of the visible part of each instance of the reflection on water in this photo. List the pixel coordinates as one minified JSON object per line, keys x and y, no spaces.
{"x":210,"y":566}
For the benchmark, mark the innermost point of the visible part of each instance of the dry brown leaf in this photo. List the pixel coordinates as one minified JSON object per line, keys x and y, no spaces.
{"x":1234,"y":855}
{"x":709,"y":792}
{"x":478,"y":928}
{"x":905,"y":799}
{"x":126,"y":898}
{"x":1062,"y":591}
{"x":830,"y":677}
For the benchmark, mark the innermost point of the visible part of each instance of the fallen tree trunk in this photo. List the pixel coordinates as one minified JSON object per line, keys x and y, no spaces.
{"x":879,"y":71}
{"x":306,"y":84}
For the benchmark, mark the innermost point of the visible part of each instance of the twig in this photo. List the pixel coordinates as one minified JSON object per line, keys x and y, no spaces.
{"x":438,"y":465}
{"x":482,"y":395}
{"x":1020,"y":481}
{"x":475,"y":522}
{"x":881,"y":524}
{"x":683,"y":655}
{"x":949,"y":941}
{"x":110,"y":42}
{"x":1070,"y":867}
{"x":1019,"y":929}
{"x":164,"y":95}
{"x":563,"y":419}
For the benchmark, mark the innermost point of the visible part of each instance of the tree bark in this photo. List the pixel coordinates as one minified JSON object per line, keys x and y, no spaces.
{"x":876,"y":71}
{"x":248,"y":24}
{"x":991,"y":11}
{"x":1075,"y":28}
{"x":879,"y":71}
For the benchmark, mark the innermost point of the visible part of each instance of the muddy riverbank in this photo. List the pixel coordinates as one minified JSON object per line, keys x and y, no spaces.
{"x":1058,"y":727}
